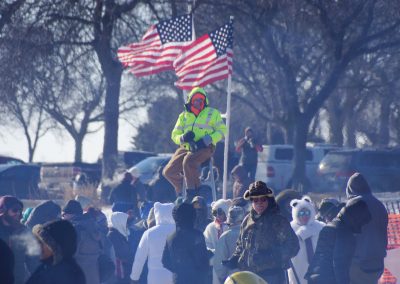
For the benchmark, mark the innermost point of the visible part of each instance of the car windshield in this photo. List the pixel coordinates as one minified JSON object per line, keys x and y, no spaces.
{"x":333,"y":162}
{"x":150,"y":164}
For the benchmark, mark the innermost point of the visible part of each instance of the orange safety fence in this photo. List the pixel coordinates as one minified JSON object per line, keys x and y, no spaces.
{"x":393,"y":242}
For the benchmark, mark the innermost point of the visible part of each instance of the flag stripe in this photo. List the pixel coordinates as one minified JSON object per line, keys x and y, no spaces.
{"x":206,"y":60}
{"x":159,"y":47}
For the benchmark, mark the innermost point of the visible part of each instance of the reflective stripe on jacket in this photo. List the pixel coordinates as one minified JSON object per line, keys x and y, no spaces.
{"x":208,"y":122}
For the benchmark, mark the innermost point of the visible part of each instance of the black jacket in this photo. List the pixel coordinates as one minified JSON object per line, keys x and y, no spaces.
{"x":336,"y":245}
{"x":65,"y":272}
{"x":186,"y":256}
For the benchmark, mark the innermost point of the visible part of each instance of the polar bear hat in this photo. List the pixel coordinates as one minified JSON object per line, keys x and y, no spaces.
{"x":304,"y":202}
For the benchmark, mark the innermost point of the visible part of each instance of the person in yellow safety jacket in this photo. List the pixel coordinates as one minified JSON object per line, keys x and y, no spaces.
{"x":197,"y":131}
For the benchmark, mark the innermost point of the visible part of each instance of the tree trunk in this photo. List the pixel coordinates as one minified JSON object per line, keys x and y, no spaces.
{"x":300,"y":182}
{"x":335,"y":122}
{"x":111,"y":115}
{"x":78,"y":148}
{"x":383,"y":138}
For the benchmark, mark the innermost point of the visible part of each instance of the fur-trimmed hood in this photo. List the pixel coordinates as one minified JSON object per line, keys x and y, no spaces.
{"x":313,"y":226}
{"x":224,"y":204}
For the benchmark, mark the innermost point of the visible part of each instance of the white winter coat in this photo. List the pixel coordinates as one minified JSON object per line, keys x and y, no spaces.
{"x":211,"y":231}
{"x":152,"y":244}
{"x":303,"y":232}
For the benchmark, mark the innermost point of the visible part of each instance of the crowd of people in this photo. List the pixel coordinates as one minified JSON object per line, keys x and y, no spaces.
{"x":256,"y":238}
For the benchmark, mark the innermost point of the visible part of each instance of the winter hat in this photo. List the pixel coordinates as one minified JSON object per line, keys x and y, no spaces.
{"x":44,"y":212}
{"x":258,"y":189}
{"x":196,"y":90}
{"x":184,"y":215}
{"x":223,"y":204}
{"x":9,"y":202}
{"x":244,"y":277}
{"x":163,"y":213}
{"x":247,"y":129}
{"x":355,"y":214}
{"x":328,"y":206}
{"x":59,"y":236}
{"x":357,"y":185}
{"x":299,"y":204}
{"x":200,"y":200}
{"x":73,"y":207}
{"x":235,"y":215}
{"x":26,"y":214}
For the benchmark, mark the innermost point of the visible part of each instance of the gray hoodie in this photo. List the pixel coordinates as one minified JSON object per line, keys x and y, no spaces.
{"x":371,"y":243}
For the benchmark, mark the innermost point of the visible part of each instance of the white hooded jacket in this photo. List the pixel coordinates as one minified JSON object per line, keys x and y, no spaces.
{"x":119,"y":222}
{"x":303,"y":232}
{"x":211,"y":231}
{"x":152,"y":244}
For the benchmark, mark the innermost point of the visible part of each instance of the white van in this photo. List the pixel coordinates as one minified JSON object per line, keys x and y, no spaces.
{"x":275,"y":164}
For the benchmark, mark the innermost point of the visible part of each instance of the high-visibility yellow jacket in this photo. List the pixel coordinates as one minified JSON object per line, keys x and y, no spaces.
{"x":208,"y":122}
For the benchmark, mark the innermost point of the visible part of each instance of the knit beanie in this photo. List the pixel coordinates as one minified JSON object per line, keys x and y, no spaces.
{"x":73,"y":207}
{"x":8,"y":202}
{"x":60,"y":236}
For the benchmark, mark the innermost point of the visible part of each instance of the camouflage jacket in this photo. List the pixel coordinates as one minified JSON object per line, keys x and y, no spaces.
{"x":266,"y":242}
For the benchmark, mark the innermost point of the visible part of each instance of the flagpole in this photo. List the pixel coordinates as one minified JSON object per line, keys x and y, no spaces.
{"x":228,"y":123}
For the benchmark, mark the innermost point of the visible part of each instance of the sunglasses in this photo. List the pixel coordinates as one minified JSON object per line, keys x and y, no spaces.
{"x":218,"y":212}
{"x":304,"y":213}
{"x":260,"y":199}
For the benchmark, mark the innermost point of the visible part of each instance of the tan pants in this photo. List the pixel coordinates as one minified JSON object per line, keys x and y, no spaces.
{"x":188,"y":163}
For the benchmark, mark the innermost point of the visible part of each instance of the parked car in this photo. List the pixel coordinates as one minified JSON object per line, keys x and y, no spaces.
{"x":10,"y":160}
{"x":20,"y":180}
{"x":55,"y":178}
{"x":275,"y":164}
{"x":381,"y":168}
{"x":127,"y":159}
{"x":148,"y":167}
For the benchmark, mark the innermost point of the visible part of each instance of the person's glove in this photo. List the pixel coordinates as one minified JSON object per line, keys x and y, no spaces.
{"x":231,"y":263}
{"x":187,"y":137}
{"x":204,"y":142}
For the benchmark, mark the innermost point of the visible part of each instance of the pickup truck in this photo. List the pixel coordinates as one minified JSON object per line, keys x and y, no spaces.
{"x":55,"y":178}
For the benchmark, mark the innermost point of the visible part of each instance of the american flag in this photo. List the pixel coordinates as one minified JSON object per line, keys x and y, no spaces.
{"x":206,"y":60}
{"x":159,"y":47}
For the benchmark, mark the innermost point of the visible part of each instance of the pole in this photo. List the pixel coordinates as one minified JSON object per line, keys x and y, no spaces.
{"x":228,"y":123}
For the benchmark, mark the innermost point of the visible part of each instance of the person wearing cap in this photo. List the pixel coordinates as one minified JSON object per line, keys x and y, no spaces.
{"x":197,"y":131}
{"x":58,"y":243}
{"x":337,"y":243}
{"x":226,"y":244}
{"x":368,"y":262}
{"x":266,"y":241}
{"x":249,"y":148}
{"x":12,"y":232}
